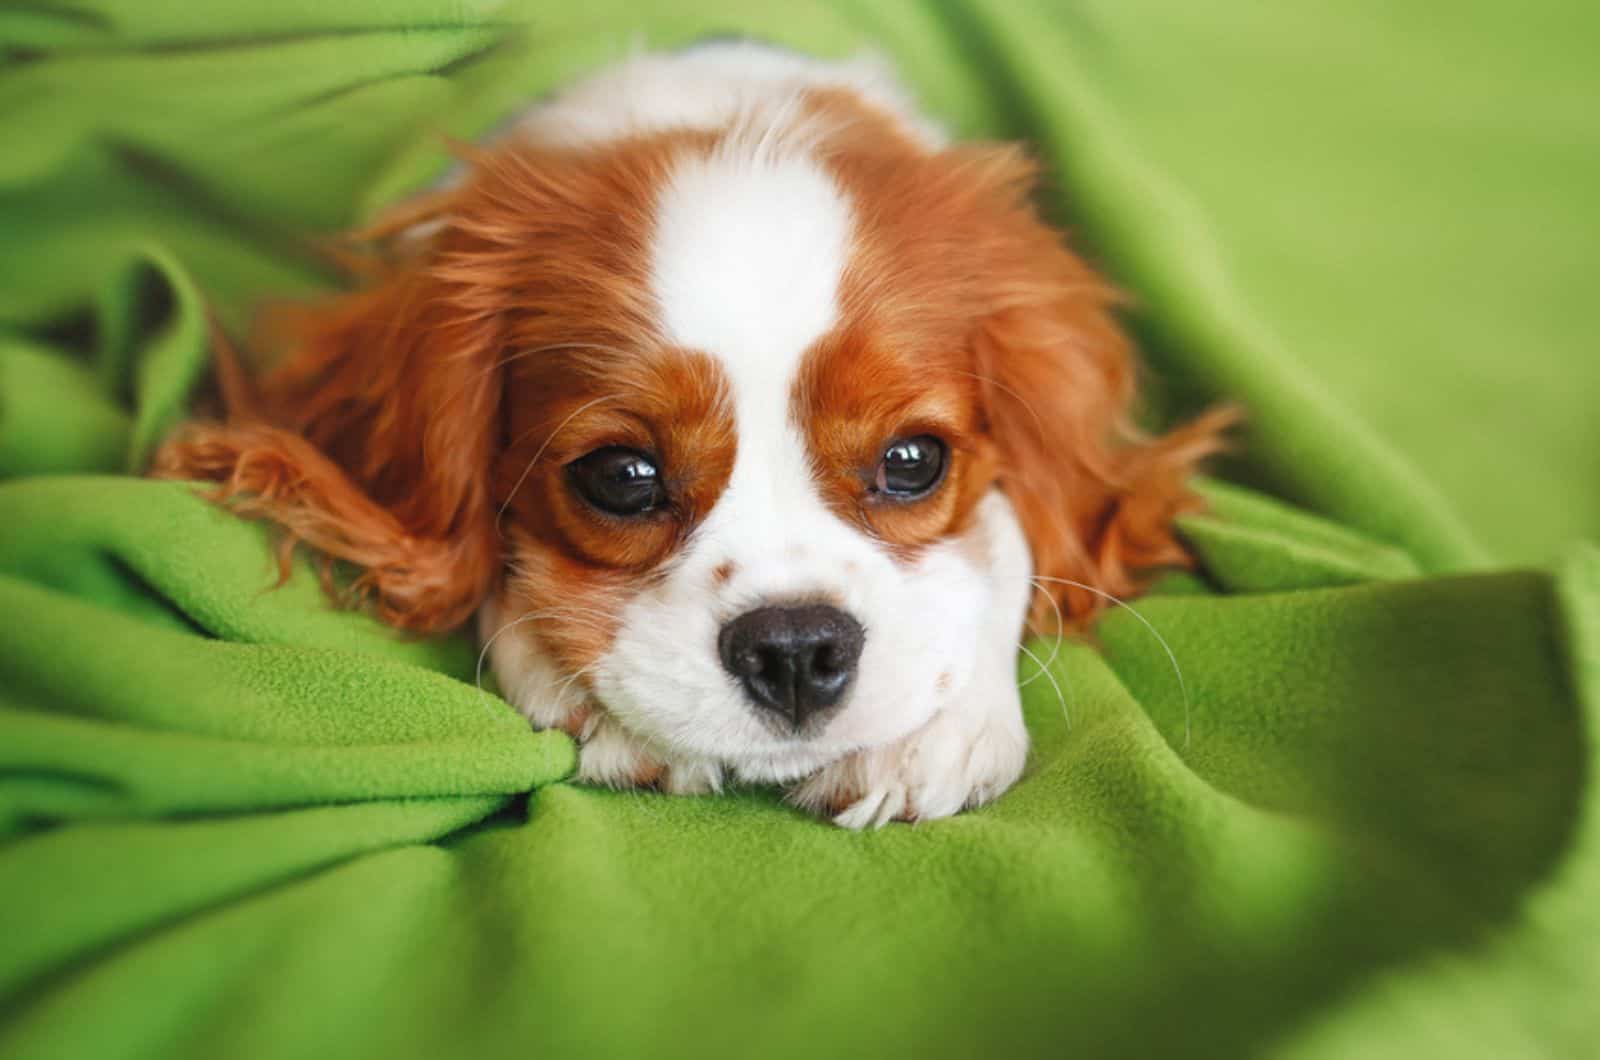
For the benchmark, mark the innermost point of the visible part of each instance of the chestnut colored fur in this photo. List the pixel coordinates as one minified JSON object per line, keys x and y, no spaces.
{"x":418,"y":429}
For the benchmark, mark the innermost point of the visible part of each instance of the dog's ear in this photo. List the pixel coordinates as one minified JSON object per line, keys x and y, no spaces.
{"x":373,"y":439}
{"x":1096,"y":497}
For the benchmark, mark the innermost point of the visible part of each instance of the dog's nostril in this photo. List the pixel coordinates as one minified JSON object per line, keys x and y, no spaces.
{"x":828,"y":659}
{"x":795,"y":661}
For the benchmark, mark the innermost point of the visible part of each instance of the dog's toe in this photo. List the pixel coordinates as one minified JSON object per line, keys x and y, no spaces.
{"x":946,"y":766}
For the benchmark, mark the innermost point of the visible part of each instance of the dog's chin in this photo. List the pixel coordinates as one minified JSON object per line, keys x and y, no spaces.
{"x":779,"y":767}
{"x":750,"y":751}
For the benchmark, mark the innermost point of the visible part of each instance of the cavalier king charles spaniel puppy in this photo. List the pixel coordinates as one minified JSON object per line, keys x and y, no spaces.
{"x":752,"y":420}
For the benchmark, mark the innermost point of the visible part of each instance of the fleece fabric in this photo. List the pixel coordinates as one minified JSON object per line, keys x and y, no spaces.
{"x":1359,"y":818}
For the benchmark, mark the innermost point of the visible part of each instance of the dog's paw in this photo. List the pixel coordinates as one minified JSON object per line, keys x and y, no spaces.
{"x":611,"y":756}
{"x":955,"y":761}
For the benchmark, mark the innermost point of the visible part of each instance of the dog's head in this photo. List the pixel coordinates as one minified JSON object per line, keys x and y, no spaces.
{"x":712,"y":420}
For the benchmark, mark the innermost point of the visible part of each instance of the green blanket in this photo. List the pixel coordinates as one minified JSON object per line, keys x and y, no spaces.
{"x":237,"y":823}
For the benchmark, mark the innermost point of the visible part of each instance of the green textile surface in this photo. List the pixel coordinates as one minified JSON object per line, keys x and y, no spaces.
{"x":235,"y":822}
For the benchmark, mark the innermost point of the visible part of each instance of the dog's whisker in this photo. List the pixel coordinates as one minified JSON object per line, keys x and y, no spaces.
{"x":1055,"y":648}
{"x":1183,"y":686}
{"x":596,"y":621}
{"x":483,"y":653}
{"x":1055,"y":651}
{"x":593,"y":619}
{"x":1061,"y":699}
{"x":561,"y":693}
{"x":599,"y":619}
{"x":554,"y":346}
{"x":586,"y":406}
{"x":1008,"y":391}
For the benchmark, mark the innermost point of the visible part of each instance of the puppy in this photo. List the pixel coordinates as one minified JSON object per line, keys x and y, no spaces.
{"x":752,"y":419}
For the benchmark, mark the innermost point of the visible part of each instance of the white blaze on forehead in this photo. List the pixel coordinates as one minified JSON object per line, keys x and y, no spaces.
{"x":750,"y":245}
{"x":748,"y":250}
{"x":747,"y":256}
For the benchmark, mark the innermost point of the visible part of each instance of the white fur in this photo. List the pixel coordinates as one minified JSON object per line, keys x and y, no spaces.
{"x":748,"y":252}
{"x":975,"y":745}
{"x":707,"y":87}
{"x":747,"y":255}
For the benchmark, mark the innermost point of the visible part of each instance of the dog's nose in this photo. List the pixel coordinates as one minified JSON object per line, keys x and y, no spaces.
{"x":793,"y":660}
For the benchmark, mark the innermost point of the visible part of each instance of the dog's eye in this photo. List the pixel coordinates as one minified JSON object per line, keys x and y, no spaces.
{"x":617,"y":480}
{"x":910,"y":467}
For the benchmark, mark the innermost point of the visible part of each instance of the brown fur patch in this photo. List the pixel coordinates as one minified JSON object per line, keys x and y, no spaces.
{"x":650,"y":773}
{"x":401,"y":430}
{"x":575,"y":720}
{"x":420,"y":428}
{"x":965,"y":316}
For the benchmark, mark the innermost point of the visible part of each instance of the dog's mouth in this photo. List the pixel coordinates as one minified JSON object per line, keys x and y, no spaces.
{"x":768,"y":746}
{"x":789,"y":732}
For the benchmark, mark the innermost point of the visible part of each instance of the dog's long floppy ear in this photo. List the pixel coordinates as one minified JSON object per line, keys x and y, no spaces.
{"x":373,"y":439}
{"x":1096,"y":497}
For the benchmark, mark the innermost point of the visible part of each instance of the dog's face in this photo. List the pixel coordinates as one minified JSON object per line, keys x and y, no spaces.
{"x":748,"y":438}
{"x":739,"y":488}
{"x":744,"y":515}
